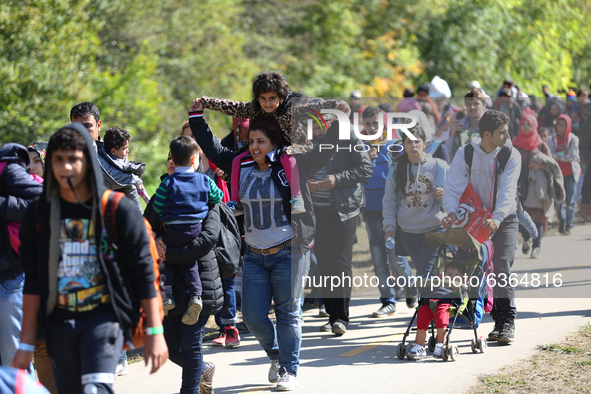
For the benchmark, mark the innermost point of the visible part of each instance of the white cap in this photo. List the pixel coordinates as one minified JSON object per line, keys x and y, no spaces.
{"x":475,"y":84}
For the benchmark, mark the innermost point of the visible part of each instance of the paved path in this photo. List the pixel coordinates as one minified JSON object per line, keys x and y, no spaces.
{"x":364,"y":359}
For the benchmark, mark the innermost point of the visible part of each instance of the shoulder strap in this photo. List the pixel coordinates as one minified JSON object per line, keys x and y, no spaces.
{"x":469,"y":156}
{"x":502,"y":159}
{"x":434,"y":146}
{"x":109,"y":204}
{"x":393,"y":181}
{"x":441,"y":172}
{"x":391,"y":176}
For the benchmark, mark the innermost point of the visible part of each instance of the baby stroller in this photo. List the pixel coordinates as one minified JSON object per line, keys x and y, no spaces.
{"x":475,"y":297}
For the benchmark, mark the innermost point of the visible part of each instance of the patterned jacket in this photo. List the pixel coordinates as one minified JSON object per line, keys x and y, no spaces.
{"x":291,"y":112}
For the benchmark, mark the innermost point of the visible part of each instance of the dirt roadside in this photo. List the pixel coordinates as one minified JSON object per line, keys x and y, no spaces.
{"x":563,"y":367}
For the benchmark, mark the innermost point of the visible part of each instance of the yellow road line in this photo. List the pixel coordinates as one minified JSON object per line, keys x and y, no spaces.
{"x":576,"y":267}
{"x":255,"y":390}
{"x":372,"y":345}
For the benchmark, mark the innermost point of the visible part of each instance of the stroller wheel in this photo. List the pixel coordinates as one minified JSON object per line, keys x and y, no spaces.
{"x":401,"y":351}
{"x":444,"y":353}
{"x":431,"y":343}
{"x":474,"y":346}
{"x":454,"y":352}
{"x":482,"y":345}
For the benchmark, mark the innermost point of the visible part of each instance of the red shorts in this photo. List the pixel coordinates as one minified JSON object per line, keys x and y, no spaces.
{"x":425,"y":315}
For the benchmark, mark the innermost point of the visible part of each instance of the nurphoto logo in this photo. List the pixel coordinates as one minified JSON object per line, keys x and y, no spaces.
{"x":392,"y":123}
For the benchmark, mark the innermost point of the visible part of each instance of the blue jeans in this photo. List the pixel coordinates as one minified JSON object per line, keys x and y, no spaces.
{"x":11,"y":316}
{"x":185,"y":349}
{"x":275,"y":277}
{"x":570,"y":186}
{"x":380,"y":256}
{"x":419,"y":252}
{"x":223,"y":318}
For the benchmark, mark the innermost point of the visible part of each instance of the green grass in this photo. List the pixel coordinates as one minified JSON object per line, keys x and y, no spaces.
{"x":559,"y":349}
{"x":501,"y":379}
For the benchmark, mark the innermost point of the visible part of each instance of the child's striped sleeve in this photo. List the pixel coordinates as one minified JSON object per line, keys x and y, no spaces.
{"x":160,"y":197}
{"x":215,"y":193}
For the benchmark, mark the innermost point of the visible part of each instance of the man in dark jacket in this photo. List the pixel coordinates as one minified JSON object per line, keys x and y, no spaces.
{"x":508,"y":104}
{"x":17,"y":191}
{"x":338,"y":197}
{"x":76,"y":288}
{"x":175,"y":332}
{"x":114,"y":177}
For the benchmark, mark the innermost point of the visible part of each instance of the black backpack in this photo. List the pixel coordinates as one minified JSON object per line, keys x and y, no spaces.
{"x":227,"y":249}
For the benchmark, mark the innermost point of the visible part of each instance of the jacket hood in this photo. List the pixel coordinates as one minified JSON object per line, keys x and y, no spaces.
{"x":15,"y":153}
{"x":569,"y":127}
{"x":530,"y":140}
{"x":51,"y":197}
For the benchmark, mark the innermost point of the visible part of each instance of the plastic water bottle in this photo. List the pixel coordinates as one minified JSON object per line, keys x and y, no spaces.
{"x":390,"y":243}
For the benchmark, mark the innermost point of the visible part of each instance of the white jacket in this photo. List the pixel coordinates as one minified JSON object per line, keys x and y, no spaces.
{"x":481,"y":176}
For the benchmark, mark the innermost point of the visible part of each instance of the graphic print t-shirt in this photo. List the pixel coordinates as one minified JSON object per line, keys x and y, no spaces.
{"x":265,"y":222}
{"x":82,"y":286}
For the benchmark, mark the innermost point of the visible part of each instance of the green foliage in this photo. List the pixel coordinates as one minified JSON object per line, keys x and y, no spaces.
{"x":142,"y":63}
{"x":532,"y":42}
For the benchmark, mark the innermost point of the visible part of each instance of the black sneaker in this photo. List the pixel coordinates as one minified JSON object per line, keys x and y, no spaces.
{"x":567,"y":231}
{"x":507,"y":333}
{"x":494,"y":334}
{"x":411,"y":302}
{"x":561,"y":227}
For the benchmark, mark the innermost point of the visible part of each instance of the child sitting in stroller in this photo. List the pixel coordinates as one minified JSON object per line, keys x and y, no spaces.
{"x":437,"y":309}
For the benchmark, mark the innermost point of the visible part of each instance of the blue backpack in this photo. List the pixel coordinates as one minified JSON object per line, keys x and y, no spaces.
{"x":18,"y":381}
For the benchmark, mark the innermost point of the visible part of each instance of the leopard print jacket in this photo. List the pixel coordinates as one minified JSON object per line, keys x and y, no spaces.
{"x":290,"y":110}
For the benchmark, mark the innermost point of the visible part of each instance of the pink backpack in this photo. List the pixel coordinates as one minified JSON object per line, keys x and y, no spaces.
{"x":14,"y":227}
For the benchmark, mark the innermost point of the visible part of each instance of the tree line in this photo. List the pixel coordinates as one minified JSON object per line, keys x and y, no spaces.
{"x":142,"y":63}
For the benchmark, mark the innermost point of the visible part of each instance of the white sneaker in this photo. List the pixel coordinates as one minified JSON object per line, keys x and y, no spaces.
{"x":535,"y":253}
{"x":288,"y":382}
{"x":416,"y":351}
{"x":274,"y":376}
{"x":437,"y":352}
{"x":122,"y":369}
{"x":297,"y":205}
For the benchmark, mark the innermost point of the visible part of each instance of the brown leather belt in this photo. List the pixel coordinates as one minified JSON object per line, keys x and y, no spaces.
{"x":274,"y":249}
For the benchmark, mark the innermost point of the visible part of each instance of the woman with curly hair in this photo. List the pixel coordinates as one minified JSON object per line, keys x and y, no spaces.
{"x":272,"y":98}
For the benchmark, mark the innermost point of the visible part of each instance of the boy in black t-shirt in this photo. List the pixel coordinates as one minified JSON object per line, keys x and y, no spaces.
{"x":78,"y":288}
